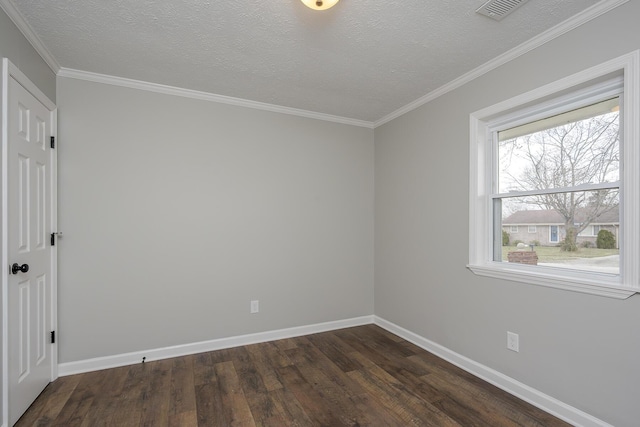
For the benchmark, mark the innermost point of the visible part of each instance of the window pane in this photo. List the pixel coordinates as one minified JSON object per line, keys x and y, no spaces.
{"x":578,"y":147}
{"x":564,"y":227}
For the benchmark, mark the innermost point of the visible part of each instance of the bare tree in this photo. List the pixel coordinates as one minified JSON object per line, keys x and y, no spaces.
{"x":567,"y":156}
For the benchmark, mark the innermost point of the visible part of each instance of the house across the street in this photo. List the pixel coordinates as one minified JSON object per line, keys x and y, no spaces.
{"x":546,"y":227}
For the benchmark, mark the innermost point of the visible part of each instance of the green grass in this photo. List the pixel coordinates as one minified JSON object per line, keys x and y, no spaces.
{"x":554,"y":254}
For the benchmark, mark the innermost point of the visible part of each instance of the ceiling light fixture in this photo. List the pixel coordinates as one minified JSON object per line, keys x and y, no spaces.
{"x":320,"y":4}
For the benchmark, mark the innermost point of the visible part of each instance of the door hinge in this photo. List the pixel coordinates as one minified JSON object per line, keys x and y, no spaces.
{"x":53,"y":337}
{"x":53,"y":237}
{"x":53,"y":142}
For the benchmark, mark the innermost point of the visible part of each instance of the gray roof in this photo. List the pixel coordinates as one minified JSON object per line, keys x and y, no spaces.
{"x":551,"y":216}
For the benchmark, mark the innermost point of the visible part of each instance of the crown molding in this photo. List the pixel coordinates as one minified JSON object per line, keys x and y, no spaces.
{"x":575,"y":21}
{"x":26,"y":30}
{"x":581,"y":18}
{"x":206,"y":96}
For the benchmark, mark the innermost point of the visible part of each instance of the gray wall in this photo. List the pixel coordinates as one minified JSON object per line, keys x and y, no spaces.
{"x":177,"y":212}
{"x":581,"y":349}
{"x":14,"y":46}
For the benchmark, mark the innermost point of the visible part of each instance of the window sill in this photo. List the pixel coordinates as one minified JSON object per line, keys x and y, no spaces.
{"x":605,"y":287}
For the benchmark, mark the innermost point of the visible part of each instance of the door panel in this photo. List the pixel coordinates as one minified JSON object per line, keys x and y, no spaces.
{"x":23,"y":204}
{"x":23,"y":330}
{"x":41,"y":319}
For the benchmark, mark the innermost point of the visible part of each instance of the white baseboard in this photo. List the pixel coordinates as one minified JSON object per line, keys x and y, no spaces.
{"x":545,"y":402}
{"x":117,"y":360}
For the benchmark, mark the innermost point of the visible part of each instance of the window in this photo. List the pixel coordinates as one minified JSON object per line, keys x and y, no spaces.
{"x":545,"y":165}
{"x":591,"y":231}
{"x":514,"y":228}
{"x":554,"y":237}
{"x":566,"y":155}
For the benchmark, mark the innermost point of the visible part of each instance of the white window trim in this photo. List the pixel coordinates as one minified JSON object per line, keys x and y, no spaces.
{"x":557,"y":233}
{"x":480,"y":216}
{"x":512,"y":229}
{"x":532,"y":227}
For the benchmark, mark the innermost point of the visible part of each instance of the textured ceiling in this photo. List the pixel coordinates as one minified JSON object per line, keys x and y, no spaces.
{"x":362,"y":59}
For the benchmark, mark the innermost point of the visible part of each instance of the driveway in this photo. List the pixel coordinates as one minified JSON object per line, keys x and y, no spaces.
{"x":605,"y":264}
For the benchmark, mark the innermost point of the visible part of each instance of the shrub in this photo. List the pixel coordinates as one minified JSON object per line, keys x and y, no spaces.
{"x":505,"y":238}
{"x":535,"y":242}
{"x":606,"y":240}
{"x":569,"y":242}
{"x":586,"y":244}
{"x":515,"y":242}
{"x":568,"y":246}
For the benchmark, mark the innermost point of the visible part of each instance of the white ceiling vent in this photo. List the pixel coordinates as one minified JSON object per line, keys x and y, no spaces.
{"x":498,"y":9}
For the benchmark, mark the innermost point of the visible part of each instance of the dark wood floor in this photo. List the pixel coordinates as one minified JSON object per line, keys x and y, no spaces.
{"x":362,"y":376}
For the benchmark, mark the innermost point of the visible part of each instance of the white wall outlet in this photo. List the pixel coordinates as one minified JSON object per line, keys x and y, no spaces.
{"x":513,"y":341}
{"x":255,"y":306}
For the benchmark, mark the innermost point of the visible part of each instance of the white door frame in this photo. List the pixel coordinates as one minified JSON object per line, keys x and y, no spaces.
{"x":11,"y":71}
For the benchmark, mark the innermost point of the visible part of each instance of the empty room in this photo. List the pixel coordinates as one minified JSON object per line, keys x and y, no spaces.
{"x":320,"y":213}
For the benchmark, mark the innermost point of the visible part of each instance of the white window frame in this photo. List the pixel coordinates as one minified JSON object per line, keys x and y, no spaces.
{"x":514,"y":227}
{"x":481,"y":237}
{"x":557,"y":234}
{"x":590,"y":231}
{"x":532,"y":229}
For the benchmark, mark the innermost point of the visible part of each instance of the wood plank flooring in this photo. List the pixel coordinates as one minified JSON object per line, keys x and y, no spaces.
{"x":362,"y":376}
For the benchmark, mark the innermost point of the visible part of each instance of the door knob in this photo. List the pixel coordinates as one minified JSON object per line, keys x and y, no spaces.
{"x":17,"y":267}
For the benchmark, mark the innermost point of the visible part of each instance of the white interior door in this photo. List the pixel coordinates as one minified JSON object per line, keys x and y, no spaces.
{"x":28,"y":200}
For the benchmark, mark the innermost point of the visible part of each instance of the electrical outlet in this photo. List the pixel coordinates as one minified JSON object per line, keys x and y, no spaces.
{"x":255,"y":306}
{"x":513,"y":341}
